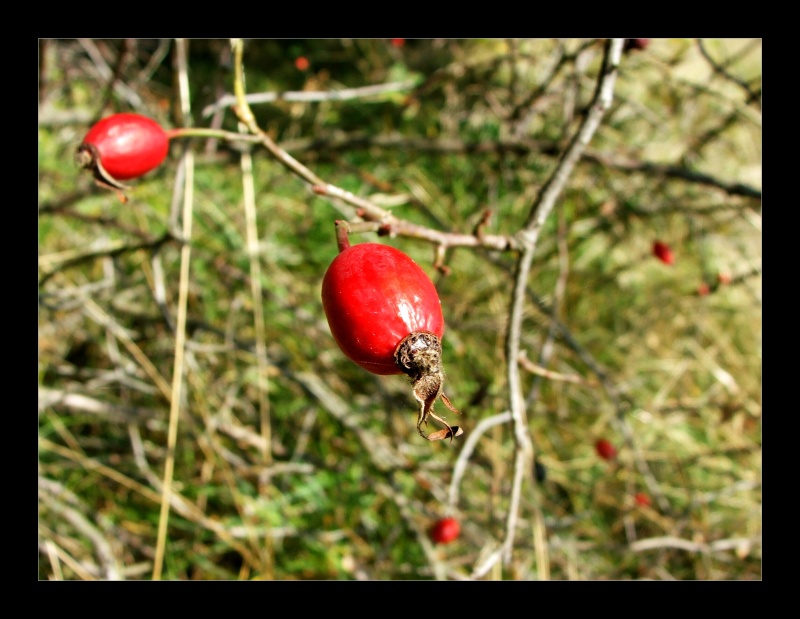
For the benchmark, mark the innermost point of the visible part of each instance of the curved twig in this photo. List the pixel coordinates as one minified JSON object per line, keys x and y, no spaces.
{"x":528,"y":238}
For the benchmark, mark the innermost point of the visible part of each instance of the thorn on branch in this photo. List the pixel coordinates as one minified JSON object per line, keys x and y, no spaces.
{"x":482,"y":224}
{"x":373,"y":217}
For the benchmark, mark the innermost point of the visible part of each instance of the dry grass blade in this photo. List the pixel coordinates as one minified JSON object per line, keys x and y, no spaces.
{"x":180,"y":328}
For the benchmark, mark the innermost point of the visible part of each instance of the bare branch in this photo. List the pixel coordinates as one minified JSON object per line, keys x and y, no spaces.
{"x":671,"y":171}
{"x":367,"y":209}
{"x":538,"y":370}
{"x":654,"y":543}
{"x":345,"y":94}
{"x":528,"y":238}
{"x":722,"y":70}
{"x":460,"y":467}
{"x":50,"y":493}
{"x":519,"y":147}
{"x":105,"y":72}
{"x":80,"y":402}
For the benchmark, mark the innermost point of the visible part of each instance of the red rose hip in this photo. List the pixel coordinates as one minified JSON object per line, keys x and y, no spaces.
{"x":636,"y":44}
{"x":445,"y":531}
{"x":663,"y":252}
{"x":385,"y":315}
{"x":605,"y":449}
{"x":123,"y":146}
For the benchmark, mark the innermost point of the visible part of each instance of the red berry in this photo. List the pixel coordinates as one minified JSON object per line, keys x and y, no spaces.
{"x":398,"y":42}
{"x":642,"y":499}
{"x":636,"y":44}
{"x":374,"y":296}
{"x":605,"y":449}
{"x":385,"y":315}
{"x":445,"y":531}
{"x":301,"y":62}
{"x":703,"y":289}
{"x":663,"y":252}
{"x":124,"y":145}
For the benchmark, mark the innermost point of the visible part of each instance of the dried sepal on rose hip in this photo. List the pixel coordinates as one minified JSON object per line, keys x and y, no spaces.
{"x":121,"y":147}
{"x":385,"y":315}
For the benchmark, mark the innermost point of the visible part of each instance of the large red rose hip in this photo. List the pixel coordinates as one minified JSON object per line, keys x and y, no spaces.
{"x":124,"y":146}
{"x":374,"y":296}
{"x":385,"y":315}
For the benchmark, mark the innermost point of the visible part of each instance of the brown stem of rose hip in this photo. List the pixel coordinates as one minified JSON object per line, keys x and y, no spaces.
{"x":346,"y":228}
{"x":88,"y":158}
{"x":419,"y":356}
{"x":342,"y":230}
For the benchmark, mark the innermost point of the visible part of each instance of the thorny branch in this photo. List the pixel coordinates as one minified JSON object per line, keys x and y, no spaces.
{"x":528,"y":237}
{"x":306,"y":96}
{"x":365,"y":208}
{"x":521,"y":146}
{"x":389,"y":223}
{"x":525,"y":241}
{"x":721,"y":69}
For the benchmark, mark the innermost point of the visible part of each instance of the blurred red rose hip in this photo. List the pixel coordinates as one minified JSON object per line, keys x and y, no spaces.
{"x":445,"y":531}
{"x":636,"y":44}
{"x":605,"y":449}
{"x":663,"y":252}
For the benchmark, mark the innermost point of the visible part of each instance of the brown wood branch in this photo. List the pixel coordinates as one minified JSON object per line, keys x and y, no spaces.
{"x":519,"y":147}
{"x":151,"y":244}
{"x":538,"y":370}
